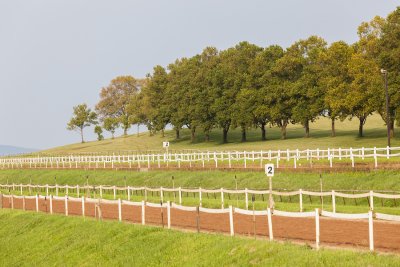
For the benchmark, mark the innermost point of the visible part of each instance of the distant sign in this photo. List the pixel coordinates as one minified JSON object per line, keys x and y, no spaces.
{"x":165,"y":144}
{"x":269,"y":169}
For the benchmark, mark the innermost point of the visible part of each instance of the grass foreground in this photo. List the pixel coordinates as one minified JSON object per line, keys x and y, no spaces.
{"x":31,"y":239}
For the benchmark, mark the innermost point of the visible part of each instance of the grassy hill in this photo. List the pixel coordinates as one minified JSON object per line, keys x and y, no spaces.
{"x":86,"y":242}
{"x":347,"y":131}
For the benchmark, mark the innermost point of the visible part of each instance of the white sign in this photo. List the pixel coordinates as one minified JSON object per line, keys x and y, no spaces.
{"x":269,"y":169}
{"x":165,"y":144}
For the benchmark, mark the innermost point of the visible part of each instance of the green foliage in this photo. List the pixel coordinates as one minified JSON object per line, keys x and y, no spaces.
{"x":116,"y":98}
{"x":82,"y":117}
{"x":110,"y":124}
{"x":99,"y":131}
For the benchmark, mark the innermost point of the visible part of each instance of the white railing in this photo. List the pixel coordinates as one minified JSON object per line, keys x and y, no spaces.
{"x":215,"y":159}
{"x":198,"y":192}
{"x":118,"y":204}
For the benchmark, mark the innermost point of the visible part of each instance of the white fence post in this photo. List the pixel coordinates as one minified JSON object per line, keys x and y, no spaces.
{"x":169,"y":214}
{"x":301,"y":199}
{"x":180,"y":195}
{"x":333,"y":202}
{"x":270,"y":233}
{"x":200,"y":198}
{"x":115,"y":192}
{"x":119,"y":210}
{"x":37,"y":203}
{"x":231,"y":220}
{"x":101,"y":191}
{"x":77,"y":190}
{"x":129,"y":193}
{"x":317,"y":229}
{"x":66,"y":205}
{"x":371,"y":200}
{"x":161,"y":195}
{"x":371,"y":230}
{"x":143,"y":212}
{"x":83,"y":206}
{"x":222,"y":198}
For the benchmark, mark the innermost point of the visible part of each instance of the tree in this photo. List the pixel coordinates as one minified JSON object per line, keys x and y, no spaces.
{"x":261,"y":80}
{"x":231,"y":76}
{"x":99,"y":131}
{"x":111,"y":124}
{"x":389,"y":59}
{"x":205,"y":94}
{"x":115,"y":100}
{"x":306,"y":91}
{"x":335,"y":81}
{"x":362,"y":97}
{"x":82,"y":117}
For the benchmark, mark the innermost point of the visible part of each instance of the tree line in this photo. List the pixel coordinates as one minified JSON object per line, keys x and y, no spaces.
{"x":249,"y":86}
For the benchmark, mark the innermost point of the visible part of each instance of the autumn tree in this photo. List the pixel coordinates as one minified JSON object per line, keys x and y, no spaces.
{"x":116,"y":98}
{"x":82,"y":117}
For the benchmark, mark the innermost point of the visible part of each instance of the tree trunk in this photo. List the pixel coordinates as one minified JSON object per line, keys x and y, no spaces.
{"x":207,"y":136}
{"x":244,"y":139}
{"x":391,"y":128}
{"x":263,"y":132}
{"x":307,"y":128}
{"x":333,"y":134}
{"x":137,"y":130}
{"x":361,"y":127}
{"x":283,"y":131}
{"x":112,"y":135}
{"x":83,"y":141}
{"x":125,"y":131}
{"x":193,"y":134}
{"x":177,"y":134}
{"x":162,"y":133}
{"x":225,"y":135}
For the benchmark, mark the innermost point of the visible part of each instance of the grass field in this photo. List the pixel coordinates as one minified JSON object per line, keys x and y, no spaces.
{"x":376,"y":180}
{"x":25,"y":239}
{"x":347,"y":136}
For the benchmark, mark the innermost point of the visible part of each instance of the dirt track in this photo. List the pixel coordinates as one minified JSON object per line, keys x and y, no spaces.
{"x":336,"y":232}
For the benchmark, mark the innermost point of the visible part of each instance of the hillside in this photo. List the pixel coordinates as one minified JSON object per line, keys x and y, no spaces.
{"x":347,"y":131}
{"x":86,"y":242}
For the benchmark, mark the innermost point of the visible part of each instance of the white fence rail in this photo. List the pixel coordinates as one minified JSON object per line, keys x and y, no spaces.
{"x":270,"y":213}
{"x":207,"y":159}
{"x":198,"y":192}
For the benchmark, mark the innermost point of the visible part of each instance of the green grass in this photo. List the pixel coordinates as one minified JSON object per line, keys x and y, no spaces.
{"x":30,"y":239}
{"x":379,"y":180}
{"x":373,"y":180}
{"x":347,"y":136}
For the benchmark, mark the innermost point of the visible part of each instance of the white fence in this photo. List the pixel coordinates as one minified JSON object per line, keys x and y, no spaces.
{"x":270,"y":213}
{"x":178,"y":191}
{"x":208,"y":159}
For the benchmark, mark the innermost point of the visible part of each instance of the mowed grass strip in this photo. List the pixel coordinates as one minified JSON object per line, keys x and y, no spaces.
{"x":373,"y":180}
{"x":30,"y":239}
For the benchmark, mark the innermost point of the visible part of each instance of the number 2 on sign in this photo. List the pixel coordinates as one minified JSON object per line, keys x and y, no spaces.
{"x":269,"y":169}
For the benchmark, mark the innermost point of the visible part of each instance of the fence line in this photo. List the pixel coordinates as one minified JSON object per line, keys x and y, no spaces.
{"x":270,"y":213}
{"x":232,"y":159}
{"x":128,"y":191}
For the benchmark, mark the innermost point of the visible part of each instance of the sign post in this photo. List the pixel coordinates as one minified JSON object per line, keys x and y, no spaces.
{"x":270,"y":171}
{"x":166,"y":146}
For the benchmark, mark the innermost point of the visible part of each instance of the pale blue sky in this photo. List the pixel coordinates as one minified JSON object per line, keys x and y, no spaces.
{"x":55,"y":54}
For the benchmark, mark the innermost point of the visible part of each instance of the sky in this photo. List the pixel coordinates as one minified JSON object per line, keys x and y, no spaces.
{"x":56,"y":54}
